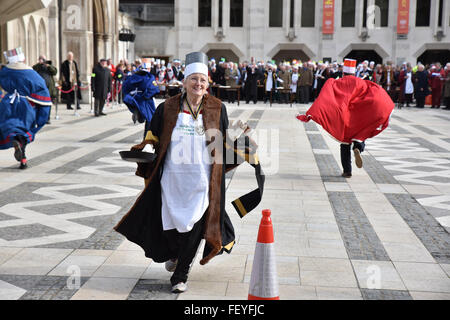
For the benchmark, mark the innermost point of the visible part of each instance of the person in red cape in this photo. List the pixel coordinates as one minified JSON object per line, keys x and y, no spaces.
{"x":436,"y":80}
{"x":351,"y":110}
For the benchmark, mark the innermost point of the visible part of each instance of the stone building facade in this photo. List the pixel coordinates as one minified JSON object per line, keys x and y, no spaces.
{"x":234,"y":29}
{"x":282,"y":29}
{"x":88,"y":28}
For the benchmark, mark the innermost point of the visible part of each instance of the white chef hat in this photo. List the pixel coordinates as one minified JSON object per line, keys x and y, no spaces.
{"x":196,"y":62}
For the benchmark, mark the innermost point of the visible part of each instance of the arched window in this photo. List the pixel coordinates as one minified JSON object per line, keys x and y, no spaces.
{"x":21,"y":39}
{"x":42,"y":39}
{"x":32,"y":55}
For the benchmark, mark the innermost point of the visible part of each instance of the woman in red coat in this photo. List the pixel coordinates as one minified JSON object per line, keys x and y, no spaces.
{"x":436,"y":80}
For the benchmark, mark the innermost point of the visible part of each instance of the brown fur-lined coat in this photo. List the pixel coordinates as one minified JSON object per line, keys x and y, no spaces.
{"x":143,"y":223}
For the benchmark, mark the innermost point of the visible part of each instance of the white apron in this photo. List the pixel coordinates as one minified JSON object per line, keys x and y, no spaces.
{"x":269,"y":83}
{"x":186,"y":176}
{"x":294,"y":82}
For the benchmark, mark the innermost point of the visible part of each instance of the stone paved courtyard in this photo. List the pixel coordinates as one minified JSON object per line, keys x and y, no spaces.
{"x":383,"y":234}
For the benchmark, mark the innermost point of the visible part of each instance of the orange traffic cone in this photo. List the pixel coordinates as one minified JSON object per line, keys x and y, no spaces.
{"x":264,"y":281}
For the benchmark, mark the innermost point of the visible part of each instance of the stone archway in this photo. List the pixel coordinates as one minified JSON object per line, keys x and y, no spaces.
{"x":21,"y":37}
{"x":362,"y":55}
{"x":32,"y":53}
{"x":229,"y":51}
{"x":433,"y":51}
{"x":101,"y":29}
{"x":218,"y":54}
{"x":433,"y":56}
{"x":290,"y":55}
{"x":284,"y":51}
{"x":42,"y":39}
{"x":372,"y":49}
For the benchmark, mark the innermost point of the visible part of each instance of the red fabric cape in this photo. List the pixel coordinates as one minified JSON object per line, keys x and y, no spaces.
{"x":351,"y":109}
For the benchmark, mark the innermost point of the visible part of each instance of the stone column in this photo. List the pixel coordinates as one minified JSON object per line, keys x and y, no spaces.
{"x":226,"y":17}
{"x":107,"y":47}
{"x":77,"y":37}
{"x":184,"y":15}
{"x":256,"y":28}
{"x":53,"y":33}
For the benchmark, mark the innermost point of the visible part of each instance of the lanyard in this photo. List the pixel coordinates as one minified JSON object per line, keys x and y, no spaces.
{"x":199,"y":109}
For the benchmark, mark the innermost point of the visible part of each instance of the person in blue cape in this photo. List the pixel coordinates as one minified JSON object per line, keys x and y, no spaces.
{"x":25,"y":108}
{"x":138,"y":91}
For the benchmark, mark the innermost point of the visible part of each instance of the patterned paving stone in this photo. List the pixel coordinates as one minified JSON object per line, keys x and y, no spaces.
{"x":257,"y":115}
{"x":426,"y":130}
{"x":398,"y":129}
{"x":329,"y":169}
{"x":360,"y":239}
{"x":401,"y":119}
{"x":317,"y":142}
{"x":310,"y":126}
{"x":103,"y":135}
{"x":43,"y":287}
{"x":152,"y":290}
{"x":429,"y":145}
{"x":27,"y":231}
{"x":235,"y":114}
{"x":36,"y":161}
{"x":132,"y":139}
{"x":434,"y":236}
{"x":370,"y":294}
{"x":61,"y":208}
{"x":23,"y":193}
{"x":84,"y":161}
{"x":376,"y":171}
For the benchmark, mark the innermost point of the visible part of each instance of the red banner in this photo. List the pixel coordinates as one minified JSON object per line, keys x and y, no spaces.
{"x":328,"y":17}
{"x":403,"y":17}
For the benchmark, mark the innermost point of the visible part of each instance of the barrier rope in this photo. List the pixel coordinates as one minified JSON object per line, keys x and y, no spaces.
{"x":73,"y":88}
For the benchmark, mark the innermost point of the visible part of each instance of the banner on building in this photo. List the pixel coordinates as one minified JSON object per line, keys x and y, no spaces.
{"x":403,"y":17}
{"x":328,"y":17}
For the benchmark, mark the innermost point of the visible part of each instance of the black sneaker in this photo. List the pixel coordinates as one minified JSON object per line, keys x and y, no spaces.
{"x":18,"y":147}
{"x":347,"y":175}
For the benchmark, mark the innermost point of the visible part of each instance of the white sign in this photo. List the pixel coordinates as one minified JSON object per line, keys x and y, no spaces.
{"x":73,"y":17}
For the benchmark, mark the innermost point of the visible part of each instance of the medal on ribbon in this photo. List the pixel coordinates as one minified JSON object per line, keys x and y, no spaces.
{"x":199,"y":128}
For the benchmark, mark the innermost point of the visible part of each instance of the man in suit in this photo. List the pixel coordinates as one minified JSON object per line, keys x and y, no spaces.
{"x":304,"y":83}
{"x":285,"y":76}
{"x":101,"y":86}
{"x":70,"y":78}
{"x":270,"y":82}
{"x":251,"y":84}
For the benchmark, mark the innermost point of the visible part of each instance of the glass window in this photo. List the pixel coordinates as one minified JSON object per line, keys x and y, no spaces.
{"x":384,"y":10}
{"x":441,"y":8}
{"x":381,"y":13}
{"x":220,"y":13}
{"x":423,"y":13}
{"x":348,"y":13}
{"x":308,"y":13}
{"x":204,"y":13}
{"x":291,"y":16}
{"x":276,"y":13}
{"x":364,"y":14}
{"x":236,"y":13}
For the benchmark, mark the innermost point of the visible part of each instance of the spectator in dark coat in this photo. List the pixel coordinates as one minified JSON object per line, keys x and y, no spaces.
{"x":251,"y":84}
{"x":421,"y":86}
{"x":70,"y":76}
{"x":101,"y":86}
{"x":47,"y":72}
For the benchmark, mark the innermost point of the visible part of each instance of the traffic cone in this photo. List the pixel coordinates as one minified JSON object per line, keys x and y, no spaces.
{"x":264,"y":281}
